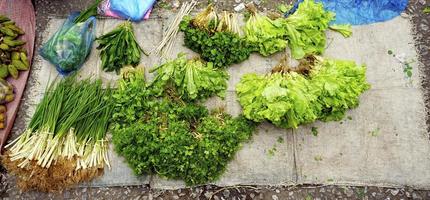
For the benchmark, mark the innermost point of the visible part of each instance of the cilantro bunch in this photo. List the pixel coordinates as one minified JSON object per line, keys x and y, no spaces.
{"x":324,"y":90}
{"x":194,"y":79}
{"x":172,"y":138}
{"x":216,"y":39}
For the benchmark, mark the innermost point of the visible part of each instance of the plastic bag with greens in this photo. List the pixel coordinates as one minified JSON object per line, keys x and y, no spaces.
{"x":70,"y":46}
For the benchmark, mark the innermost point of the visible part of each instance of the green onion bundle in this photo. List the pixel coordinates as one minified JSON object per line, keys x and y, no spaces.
{"x":65,"y":139}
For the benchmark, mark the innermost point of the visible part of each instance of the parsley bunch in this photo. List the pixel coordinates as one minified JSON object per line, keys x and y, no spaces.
{"x":171,"y":138}
{"x":216,"y":40}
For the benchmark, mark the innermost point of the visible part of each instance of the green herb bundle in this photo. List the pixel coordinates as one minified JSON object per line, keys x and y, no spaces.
{"x":119,"y":48}
{"x":65,"y":139}
{"x":318,"y":90}
{"x":216,"y":39}
{"x":172,"y":138}
{"x":194,"y":79}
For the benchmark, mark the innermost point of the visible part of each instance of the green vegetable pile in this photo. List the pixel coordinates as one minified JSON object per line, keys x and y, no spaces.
{"x":172,"y":138}
{"x":119,"y":48}
{"x":303,"y":31}
{"x":194,"y":79}
{"x":216,"y":40}
{"x":265,"y":35}
{"x":309,"y":23}
{"x":317,"y":90}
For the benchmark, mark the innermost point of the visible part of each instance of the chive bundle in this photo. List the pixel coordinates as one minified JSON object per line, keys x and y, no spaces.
{"x":66,"y":136}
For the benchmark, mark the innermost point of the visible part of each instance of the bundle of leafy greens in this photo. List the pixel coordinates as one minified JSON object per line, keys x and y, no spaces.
{"x":306,"y":29}
{"x":194,"y":79}
{"x":216,"y":39}
{"x":303,"y":31}
{"x":64,"y":143}
{"x":172,"y":138}
{"x":317,"y":90}
{"x":119,"y":48}
{"x":265,"y":35}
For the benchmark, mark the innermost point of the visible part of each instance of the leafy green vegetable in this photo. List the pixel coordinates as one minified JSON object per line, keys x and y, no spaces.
{"x":338,"y":84}
{"x":119,"y":48}
{"x":265,"y":35}
{"x":193,"y":78}
{"x":344,"y":29}
{"x":216,"y":40}
{"x":307,"y":32}
{"x":90,"y":11}
{"x":303,"y":31}
{"x":293,"y":97}
{"x":171,"y":138}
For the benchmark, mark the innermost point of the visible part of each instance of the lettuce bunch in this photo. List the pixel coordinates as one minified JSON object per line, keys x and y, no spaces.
{"x":309,"y":23}
{"x":194,"y":79}
{"x":289,"y":99}
{"x":265,"y":35}
{"x":303,"y":31}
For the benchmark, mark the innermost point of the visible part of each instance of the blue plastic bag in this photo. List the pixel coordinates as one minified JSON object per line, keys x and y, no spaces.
{"x":134,"y":10}
{"x":358,"y":12}
{"x":70,"y":46}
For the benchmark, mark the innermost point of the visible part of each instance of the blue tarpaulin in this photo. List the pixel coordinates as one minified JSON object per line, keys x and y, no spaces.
{"x":358,"y":12}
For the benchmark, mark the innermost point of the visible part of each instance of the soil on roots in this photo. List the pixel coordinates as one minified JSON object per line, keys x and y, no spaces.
{"x":59,"y":176}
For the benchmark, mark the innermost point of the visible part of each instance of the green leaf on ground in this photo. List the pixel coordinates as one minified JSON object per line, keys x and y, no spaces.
{"x":426,"y":10}
{"x":318,"y":158}
{"x":314,"y":131}
{"x":375,"y":132}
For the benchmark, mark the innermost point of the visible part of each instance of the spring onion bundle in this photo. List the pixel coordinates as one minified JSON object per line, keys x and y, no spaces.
{"x":216,"y":38}
{"x":194,"y":79}
{"x":64,"y":143}
{"x":317,"y":90}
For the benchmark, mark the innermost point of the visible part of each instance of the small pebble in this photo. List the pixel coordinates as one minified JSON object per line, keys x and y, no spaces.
{"x":274,"y":197}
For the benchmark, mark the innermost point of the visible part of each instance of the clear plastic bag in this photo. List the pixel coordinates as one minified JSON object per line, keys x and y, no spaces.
{"x":70,"y":46}
{"x":134,"y":10}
